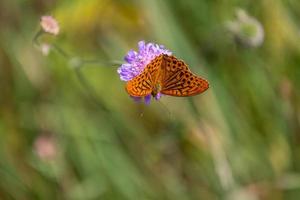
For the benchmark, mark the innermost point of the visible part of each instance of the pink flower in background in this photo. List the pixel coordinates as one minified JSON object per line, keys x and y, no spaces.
{"x":49,"y":25}
{"x":45,"y":147}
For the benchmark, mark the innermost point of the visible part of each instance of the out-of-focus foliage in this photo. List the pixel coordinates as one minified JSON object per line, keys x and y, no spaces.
{"x":69,"y":132}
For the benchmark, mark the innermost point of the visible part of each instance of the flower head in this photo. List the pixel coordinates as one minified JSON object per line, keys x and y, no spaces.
{"x":246,"y":29}
{"x":137,"y":61}
{"x":49,"y":25}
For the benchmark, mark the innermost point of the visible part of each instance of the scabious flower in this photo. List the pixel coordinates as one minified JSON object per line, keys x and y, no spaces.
{"x":246,"y":29}
{"x":137,"y":61}
{"x":49,"y":25}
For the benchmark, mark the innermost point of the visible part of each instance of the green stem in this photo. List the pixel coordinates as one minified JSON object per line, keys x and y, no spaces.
{"x":35,"y":39}
{"x":61,"y":51}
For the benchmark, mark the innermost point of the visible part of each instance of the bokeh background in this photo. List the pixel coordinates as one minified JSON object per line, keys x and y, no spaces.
{"x":68,"y":130}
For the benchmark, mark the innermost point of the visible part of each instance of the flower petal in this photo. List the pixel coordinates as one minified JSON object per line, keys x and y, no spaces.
{"x":158,"y":96}
{"x":49,"y":25}
{"x":130,"y":56}
{"x":147,"y":99}
{"x":141,"y":45}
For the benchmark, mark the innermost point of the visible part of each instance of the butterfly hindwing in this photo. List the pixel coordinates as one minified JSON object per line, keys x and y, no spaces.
{"x":178,"y":80}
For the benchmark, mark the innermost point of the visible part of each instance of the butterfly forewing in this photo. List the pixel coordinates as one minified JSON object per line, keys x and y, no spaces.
{"x":178,"y":80}
{"x":142,"y":84}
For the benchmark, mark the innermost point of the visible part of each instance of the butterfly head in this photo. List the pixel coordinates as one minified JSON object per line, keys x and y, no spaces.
{"x":156,"y":89}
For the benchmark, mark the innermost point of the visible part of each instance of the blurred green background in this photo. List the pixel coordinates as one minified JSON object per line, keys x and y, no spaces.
{"x":73,"y":133}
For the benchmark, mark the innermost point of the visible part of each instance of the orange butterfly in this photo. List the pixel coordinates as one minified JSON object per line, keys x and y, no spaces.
{"x":167,"y":75}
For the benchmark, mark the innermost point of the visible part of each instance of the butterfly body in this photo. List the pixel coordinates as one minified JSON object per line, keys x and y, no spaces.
{"x":167,"y":75}
{"x":156,"y":89}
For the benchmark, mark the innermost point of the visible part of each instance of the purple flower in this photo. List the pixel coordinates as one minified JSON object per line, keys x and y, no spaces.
{"x":137,"y":61}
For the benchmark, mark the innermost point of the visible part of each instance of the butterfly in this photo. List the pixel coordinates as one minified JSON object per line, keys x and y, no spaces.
{"x":166,"y":75}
